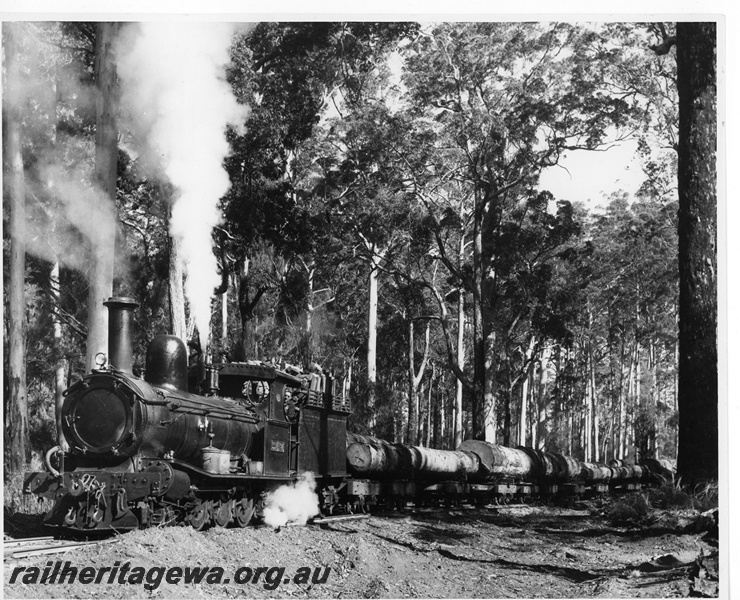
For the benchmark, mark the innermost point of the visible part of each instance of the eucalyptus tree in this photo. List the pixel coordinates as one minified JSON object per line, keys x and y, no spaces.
{"x":292,"y":74}
{"x":498,"y":102}
{"x":18,"y":450}
{"x":629,"y":317}
{"x":697,"y":234}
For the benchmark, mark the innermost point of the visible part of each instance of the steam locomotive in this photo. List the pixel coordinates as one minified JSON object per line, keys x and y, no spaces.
{"x":162,"y":449}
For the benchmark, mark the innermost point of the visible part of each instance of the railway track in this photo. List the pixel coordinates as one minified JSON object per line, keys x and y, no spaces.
{"x":39,"y":546}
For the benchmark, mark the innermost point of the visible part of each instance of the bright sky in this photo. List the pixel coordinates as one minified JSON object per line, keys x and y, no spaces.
{"x":591,"y":176}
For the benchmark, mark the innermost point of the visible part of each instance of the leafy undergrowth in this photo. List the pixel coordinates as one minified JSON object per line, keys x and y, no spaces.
{"x":675,"y":495}
{"x":631,"y":509}
{"x":671,"y":507}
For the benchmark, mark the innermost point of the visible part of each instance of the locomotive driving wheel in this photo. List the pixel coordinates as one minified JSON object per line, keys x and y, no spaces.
{"x":221,"y":513}
{"x":198,"y":516}
{"x":243,"y":511}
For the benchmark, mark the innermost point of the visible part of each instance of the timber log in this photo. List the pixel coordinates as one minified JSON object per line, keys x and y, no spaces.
{"x":408,"y":462}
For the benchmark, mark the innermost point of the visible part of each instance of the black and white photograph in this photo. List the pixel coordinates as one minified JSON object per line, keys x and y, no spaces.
{"x":340,"y":305}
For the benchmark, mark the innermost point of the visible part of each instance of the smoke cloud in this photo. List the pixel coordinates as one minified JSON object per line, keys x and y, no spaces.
{"x":295,"y":503}
{"x":174,"y":85}
{"x":86,"y":207}
{"x":68,"y":217}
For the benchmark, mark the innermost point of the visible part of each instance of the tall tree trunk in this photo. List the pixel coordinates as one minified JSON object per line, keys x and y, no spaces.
{"x":247,"y":304}
{"x":17,"y":447}
{"x":60,"y":368}
{"x":414,"y":379}
{"x":441,"y":441}
{"x":507,"y":414}
{"x":458,"y":426}
{"x":178,"y":325}
{"x":484,"y":338}
{"x":429,"y":419}
{"x":225,"y":323}
{"x":308,"y":321}
{"x":593,"y":409}
{"x":372,"y":340}
{"x":542,"y":421}
{"x":489,"y":216}
{"x":570,"y":432}
{"x":413,"y":423}
{"x":347,"y":387}
{"x":534,"y":412}
{"x":106,"y":160}
{"x":697,"y":251}
{"x":524,"y":411}
{"x":676,"y":359}
{"x":589,"y":449}
{"x":525,"y":393}
{"x":630,"y":401}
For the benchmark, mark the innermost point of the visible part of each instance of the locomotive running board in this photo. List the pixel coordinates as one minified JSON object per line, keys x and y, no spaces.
{"x":231,"y":476}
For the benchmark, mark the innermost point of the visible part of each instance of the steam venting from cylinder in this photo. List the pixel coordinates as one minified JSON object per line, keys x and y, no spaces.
{"x":121,"y":332}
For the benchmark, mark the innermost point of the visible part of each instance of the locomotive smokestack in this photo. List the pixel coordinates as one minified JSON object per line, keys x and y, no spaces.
{"x":121,"y":332}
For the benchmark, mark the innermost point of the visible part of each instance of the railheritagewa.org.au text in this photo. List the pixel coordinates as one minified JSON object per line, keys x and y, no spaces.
{"x":63,"y":572}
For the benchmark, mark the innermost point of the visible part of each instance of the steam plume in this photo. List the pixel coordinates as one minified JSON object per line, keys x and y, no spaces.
{"x":295,"y":503}
{"x":69,"y":217}
{"x":85,"y":206}
{"x":174,"y":84}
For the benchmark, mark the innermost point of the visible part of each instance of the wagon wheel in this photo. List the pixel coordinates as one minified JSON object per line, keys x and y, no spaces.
{"x":243,"y":511}
{"x":198,"y":516}
{"x":221,"y":513}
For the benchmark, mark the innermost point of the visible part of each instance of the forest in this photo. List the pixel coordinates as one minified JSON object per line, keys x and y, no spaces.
{"x":365,"y":197}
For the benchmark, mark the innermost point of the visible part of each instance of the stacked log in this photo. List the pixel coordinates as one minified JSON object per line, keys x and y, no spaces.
{"x":627,"y":471}
{"x":595,"y":472}
{"x":367,"y":459}
{"x":499,"y":461}
{"x":553,"y":467}
{"x":476,"y":460}
{"x":567,"y":467}
{"x":407,"y":462}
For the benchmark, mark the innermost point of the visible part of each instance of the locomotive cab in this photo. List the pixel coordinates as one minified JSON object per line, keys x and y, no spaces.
{"x":305,"y":419}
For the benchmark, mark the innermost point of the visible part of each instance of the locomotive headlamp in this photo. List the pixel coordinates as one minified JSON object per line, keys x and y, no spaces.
{"x":100,"y":360}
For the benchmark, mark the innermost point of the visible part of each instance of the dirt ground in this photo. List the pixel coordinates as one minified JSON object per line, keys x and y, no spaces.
{"x":506,"y":552}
